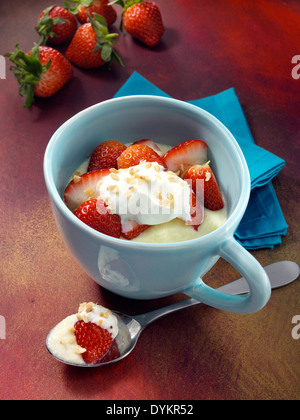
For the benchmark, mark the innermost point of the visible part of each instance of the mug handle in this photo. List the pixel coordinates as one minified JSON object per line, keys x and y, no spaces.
{"x":256,"y":277}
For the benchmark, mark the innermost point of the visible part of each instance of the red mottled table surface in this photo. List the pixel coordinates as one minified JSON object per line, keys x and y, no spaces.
{"x":198,"y":353}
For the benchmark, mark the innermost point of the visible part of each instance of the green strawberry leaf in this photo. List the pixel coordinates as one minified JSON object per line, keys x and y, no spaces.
{"x":105,"y":39}
{"x":27,"y":71}
{"x":45,"y":25}
{"x":74,"y":8}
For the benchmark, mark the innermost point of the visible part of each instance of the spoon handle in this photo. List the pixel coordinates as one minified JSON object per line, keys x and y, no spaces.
{"x":147,"y":318}
{"x":280,"y":274}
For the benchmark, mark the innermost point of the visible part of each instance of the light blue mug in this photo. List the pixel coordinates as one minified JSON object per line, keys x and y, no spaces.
{"x":147,"y":271}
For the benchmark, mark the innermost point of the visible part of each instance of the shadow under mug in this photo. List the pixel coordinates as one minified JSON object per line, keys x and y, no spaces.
{"x":148,"y":271}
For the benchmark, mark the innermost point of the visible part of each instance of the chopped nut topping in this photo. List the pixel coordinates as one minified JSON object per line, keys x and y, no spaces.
{"x":146,"y":178}
{"x":132,"y":180}
{"x":207,"y":176}
{"x":90,"y":192}
{"x":113,"y":171}
{"x":158,"y":195}
{"x":86,"y":306}
{"x":82,"y":307}
{"x":79,"y":350}
{"x":134,"y":170}
{"x":172,"y":178}
{"x":76,"y":178}
{"x":113,"y":188}
{"x":89,"y":307}
{"x":114,"y":176}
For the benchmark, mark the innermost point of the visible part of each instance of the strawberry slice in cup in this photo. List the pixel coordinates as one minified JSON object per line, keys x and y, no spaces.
{"x":186,"y":154}
{"x":151,"y":144}
{"x":204,"y":183}
{"x":83,"y":187}
{"x":105,"y":155}
{"x":136,"y":153}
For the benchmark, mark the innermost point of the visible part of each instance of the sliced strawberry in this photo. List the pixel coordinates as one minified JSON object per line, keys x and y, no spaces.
{"x":212,"y":196}
{"x":186,"y":154}
{"x":83,"y":187}
{"x":137,"y":153}
{"x":197,"y":212}
{"x":95,"y":214}
{"x":105,"y":155}
{"x":151,"y":144}
{"x":133,"y":229}
{"x":94,"y":339}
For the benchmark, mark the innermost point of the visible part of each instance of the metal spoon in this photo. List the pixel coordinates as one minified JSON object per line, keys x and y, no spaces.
{"x":280,"y":274}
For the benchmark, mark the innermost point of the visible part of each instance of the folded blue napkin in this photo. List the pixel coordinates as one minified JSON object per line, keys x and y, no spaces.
{"x":263,"y":224}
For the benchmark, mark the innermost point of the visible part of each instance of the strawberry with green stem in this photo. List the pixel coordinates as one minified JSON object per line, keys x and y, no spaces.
{"x":56,"y":25}
{"x":73,"y":8}
{"x":142,"y":20}
{"x":83,"y":8}
{"x":41,"y":73}
{"x":93,"y":45}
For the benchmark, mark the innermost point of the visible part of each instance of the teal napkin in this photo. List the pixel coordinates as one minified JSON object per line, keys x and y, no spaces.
{"x":263,"y":224}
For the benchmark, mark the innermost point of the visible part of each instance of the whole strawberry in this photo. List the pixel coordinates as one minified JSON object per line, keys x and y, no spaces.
{"x":92,"y":45}
{"x":101,"y":7}
{"x":142,"y":20}
{"x":42,"y":72}
{"x":56,"y":25}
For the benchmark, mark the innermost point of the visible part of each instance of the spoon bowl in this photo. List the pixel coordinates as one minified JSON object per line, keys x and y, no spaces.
{"x":280,"y":274}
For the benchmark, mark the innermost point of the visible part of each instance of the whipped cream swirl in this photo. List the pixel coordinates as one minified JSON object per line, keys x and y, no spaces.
{"x":146,"y":194}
